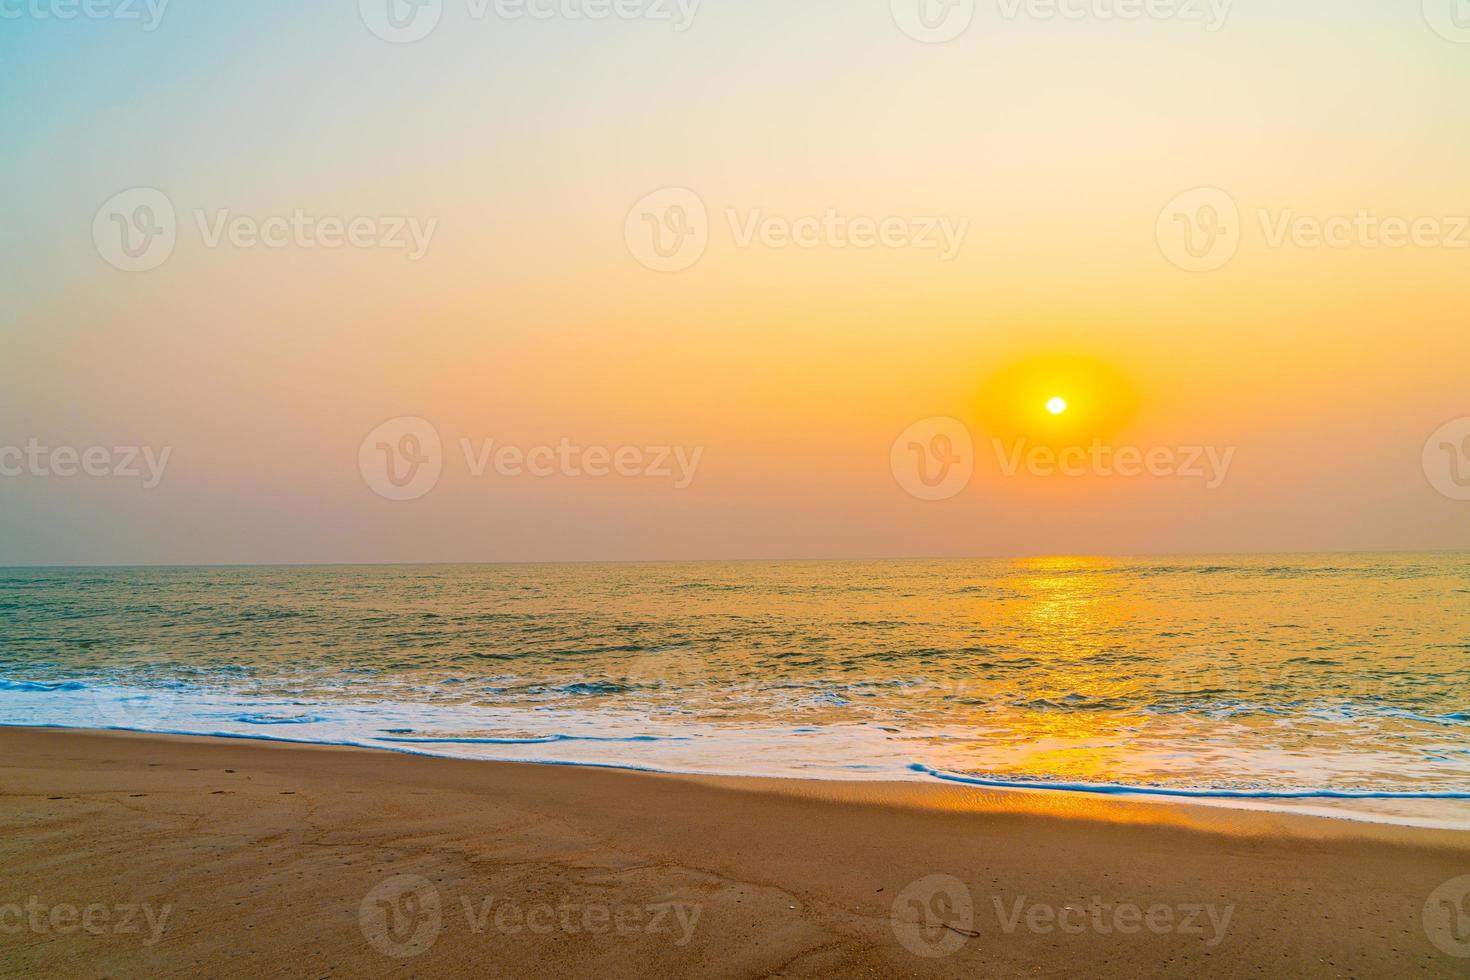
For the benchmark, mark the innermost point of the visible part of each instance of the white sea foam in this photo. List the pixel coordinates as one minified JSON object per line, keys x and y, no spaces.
{"x":628,"y":740}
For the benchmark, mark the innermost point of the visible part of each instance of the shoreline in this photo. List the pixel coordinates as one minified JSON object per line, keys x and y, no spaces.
{"x":287,"y":857}
{"x":1447,"y":811}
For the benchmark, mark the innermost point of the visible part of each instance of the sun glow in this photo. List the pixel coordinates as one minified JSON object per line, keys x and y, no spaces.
{"x":1057,"y":401}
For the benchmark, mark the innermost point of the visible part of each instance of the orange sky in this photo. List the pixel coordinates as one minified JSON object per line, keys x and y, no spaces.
{"x":531,"y":320}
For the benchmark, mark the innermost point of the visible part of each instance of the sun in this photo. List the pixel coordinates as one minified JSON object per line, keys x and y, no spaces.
{"x":1056,"y":400}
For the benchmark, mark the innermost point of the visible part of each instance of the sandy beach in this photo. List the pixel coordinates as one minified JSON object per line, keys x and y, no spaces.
{"x":133,"y":855}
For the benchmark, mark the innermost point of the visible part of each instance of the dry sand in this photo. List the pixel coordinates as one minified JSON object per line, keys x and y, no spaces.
{"x":132,"y":855}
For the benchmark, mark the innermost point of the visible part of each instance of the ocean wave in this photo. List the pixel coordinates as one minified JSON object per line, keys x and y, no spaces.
{"x":528,"y":740}
{"x":36,"y":687}
{"x":269,"y":719}
{"x":1120,"y":789}
{"x":593,"y":688}
{"x":824,"y":700}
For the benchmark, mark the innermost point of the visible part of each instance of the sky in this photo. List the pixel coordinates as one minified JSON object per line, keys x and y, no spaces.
{"x":731,"y":279}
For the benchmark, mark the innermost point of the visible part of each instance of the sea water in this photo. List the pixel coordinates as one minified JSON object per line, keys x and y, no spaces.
{"x":1286,"y":679}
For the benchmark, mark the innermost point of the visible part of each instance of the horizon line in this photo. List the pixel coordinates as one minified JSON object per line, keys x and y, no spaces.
{"x":734,"y":561}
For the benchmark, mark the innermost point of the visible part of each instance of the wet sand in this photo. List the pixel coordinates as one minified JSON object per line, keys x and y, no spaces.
{"x":131,"y":855}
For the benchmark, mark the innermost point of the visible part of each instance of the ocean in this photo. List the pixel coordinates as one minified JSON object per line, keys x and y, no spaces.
{"x":1334,"y":682}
